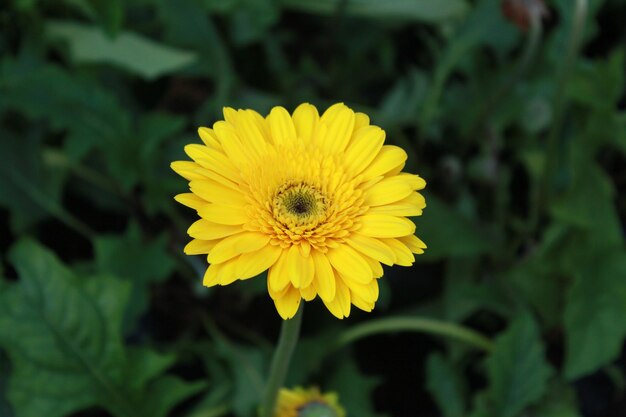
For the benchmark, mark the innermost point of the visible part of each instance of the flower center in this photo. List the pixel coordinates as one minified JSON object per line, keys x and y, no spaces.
{"x":316,"y":409}
{"x":299,"y":204}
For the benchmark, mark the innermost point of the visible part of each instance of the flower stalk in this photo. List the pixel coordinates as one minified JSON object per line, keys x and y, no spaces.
{"x":414,"y":324}
{"x":287,"y":341}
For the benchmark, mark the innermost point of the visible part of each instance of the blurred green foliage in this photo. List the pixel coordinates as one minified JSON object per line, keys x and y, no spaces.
{"x":102,"y":314}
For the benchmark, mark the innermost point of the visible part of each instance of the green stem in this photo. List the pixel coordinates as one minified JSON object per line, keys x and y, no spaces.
{"x":287,"y":341}
{"x":552,"y":150}
{"x":414,"y":324}
{"x":527,"y":58}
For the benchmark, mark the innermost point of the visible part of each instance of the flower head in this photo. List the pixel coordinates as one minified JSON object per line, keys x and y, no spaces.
{"x":310,"y":402}
{"x":319,"y":202}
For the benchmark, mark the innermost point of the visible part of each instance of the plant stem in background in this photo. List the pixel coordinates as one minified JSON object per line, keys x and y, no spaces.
{"x":289,"y":332}
{"x":530,"y":51}
{"x":573,"y":49}
{"x":414,"y":324}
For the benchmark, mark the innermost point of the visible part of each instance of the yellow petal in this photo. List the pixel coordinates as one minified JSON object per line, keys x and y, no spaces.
{"x":305,"y":248}
{"x":415,"y":181}
{"x":190,"y":200}
{"x":324,"y":281}
{"x":383,"y":225}
{"x":364,"y":147}
{"x":207,"y":230}
{"x":407,"y":207}
{"x":238,"y":154}
{"x":278,"y":276}
{"x":300,"y":268}
{"x":368,"y":293}
{"x":214,"y":160}
{"x":404,"y":256}
{"x":224,"y":214}
{"x":349,"y":263}
{"x":340,"y":305}
{"x":217,"y":193}
{"x":414,"y":243}
{"x":219,"y":274}
{"x":377,"y":268}
{"x":360,"y":120}
{"x":199,"y":247}
{"x":372,"y":247}
{"x":288,"y":304}
{"x":361,"y":304}
{"x":237,"y":244}
{"x":281,"y":126}
{"x":252,"y":264}
{"x":308,"y":293}
{"x":305,"y":118}
{"x":387,"y":191}
{"x":340,"y":121}
{"x":250,"y":132}
{"x":227,"y":274}
{"x":230,"y":115}
{"x":209,"y":138}
{"x":387,"y":159}
{"x":187,"y":170}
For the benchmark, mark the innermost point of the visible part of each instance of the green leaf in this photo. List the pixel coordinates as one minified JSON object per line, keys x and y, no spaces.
{"x":29,"y":190}
{"x":128,"y":50}
{"x":560,"y":402}
{"x":444,"y":384}
{"x":588,"y":203}
{"x":600,"y":84}
{"x":251,"y":20}
{"x":354,"y":389}
{"x":419,"y":10}
{"x":518,"y":372}
{"x":448,"y":233}
{"x":110,"y":14}
{"x":594,"y":315}
{"x":133,"y":258}
{"x":537,"y":282}
{"x":63,"y":337}
{"x":91,"y":115}
{"x":247,"y":368}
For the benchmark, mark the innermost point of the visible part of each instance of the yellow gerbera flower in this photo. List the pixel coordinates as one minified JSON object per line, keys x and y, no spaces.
{"x":320,"y":202}
{"x":307,"y":403}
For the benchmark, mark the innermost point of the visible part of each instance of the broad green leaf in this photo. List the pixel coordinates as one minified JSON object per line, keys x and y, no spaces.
{"x":444,"y":384}
{"x":476,"y":31}
{"x":448,"y":233}
{"x":537,"y":282}
{"x":252,"y":19}
{"x":110,"y":15}
{"x":403,"y":100}
{"x":517,"y":369}
{"x":560,"y":402}
{"x":30,"y":190}
{"x":419,"y":10}
{"x":137,"y":260}
{"x":247,"y":370}
{"x":130,"y":51}
{"x":354,"y":389}
{"x":588,"y":203}
{"x":594,"y":315}
{"x":63,"y":337}
{"x":600,"y":84}
{"x":89,"y":114}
